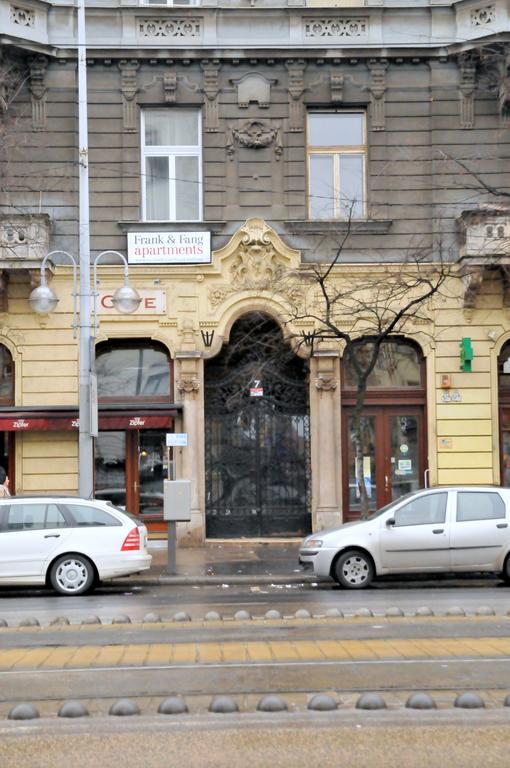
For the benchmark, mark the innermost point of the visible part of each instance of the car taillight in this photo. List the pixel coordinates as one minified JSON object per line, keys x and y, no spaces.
{"x":132,"y":541}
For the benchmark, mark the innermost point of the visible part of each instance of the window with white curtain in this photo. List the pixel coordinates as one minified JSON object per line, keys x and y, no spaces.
{"x":172,"y":164}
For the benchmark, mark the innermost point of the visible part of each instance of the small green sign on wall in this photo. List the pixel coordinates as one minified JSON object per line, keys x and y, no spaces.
{"x":466,"y":355}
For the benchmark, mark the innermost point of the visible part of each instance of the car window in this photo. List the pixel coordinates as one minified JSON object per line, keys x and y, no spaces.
{"x":90,"y":516}
{"x":479,"y":505}
{"x":34,"y":517}
{"x":425,"y":510}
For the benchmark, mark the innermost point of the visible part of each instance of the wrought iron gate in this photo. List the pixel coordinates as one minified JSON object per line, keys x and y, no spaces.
{"x":257,"y":451}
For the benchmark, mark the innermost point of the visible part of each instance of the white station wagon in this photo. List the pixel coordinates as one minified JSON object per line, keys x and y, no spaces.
{"x":68,"y":543}
{"x":445,"y":530}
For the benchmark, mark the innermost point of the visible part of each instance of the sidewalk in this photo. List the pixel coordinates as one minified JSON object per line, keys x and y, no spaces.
{"x":225,"y":562}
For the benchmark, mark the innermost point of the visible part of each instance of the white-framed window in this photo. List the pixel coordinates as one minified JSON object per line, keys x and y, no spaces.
{"x":172,"y":164}
{"x":337,"y":163}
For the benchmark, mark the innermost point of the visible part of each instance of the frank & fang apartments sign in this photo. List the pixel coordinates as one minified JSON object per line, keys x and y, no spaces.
{"x":169,"y":247}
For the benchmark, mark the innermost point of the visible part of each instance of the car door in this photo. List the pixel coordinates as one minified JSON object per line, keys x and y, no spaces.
{"x":416,"y":536}
{"x":479,"y":530}
{"x":31,"y":533}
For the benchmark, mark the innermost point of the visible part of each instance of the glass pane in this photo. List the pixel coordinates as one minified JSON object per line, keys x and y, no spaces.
{"x":398,"y":365}
{"x":505,"y":436}
{"x":335,"y":130}
{"x":187,"y":188}
{"x":157,"y":200}
{"x":133,"y":371}
{"x":54,"y":517}
{"x":26,"y":517}
{"x":427,"y":510}
{"x":480,"y":506}
{"x":110,"y":463}
{"x":171,"y":127}
{"x":322,"y":187}
{"x":6,"y":376}
{"x":366,"y":464}
{"x":404,"y":458}
{"x":352,"y":188}
{"x":152,"y":469}
{"x":91,"y":516}
{"x":504,"y":366}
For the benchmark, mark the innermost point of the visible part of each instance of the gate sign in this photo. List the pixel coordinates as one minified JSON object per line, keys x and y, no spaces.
{"x":179,"y":439}
{"x":256,"y":389}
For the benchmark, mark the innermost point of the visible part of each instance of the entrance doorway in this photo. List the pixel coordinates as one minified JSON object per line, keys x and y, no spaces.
{"x":393,"y":429}
{"x":257,"y":436}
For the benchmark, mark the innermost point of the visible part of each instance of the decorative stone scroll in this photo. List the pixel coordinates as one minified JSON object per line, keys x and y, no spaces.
{"x":37,"y":86}
{"x":337,"y":81}
{"x":467,"y":87}
{"x":170,"y":28}
{"x":22,"y":16}
{"x":254,"y":134}
{"x":296,"y":70}
{"x":481,"y":17}
{"x":188,"y":384}
{"x":325,"y":383}
{"x":377,"y":86}
{"x":129,"y":89}
{"x":211,"y":89}
{"x":335,"y":27}
{"x":170,"y":86}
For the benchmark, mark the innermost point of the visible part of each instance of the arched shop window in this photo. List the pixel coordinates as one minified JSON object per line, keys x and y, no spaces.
{"x":135,"y":369}
{"x":6,"y":377}
{"x":504,"y":412}
{"x":393,"y":425}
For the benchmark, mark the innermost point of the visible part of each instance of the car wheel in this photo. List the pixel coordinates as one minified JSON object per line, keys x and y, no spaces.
{"x":72,"y":575}
{"x":505,"y":573}
{"x":354,"y":570}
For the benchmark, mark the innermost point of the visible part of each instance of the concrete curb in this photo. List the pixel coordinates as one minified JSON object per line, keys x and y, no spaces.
{"x":239,"y":579}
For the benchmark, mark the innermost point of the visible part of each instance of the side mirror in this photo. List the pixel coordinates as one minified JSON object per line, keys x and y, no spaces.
{"x":390,"y":521}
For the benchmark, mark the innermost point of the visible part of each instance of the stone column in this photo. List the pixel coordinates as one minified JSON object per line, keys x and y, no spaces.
{"x":189,"y":385}
{"x":325,"y":415}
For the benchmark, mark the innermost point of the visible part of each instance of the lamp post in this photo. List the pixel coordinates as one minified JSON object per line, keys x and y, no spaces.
{"x":44,"y":300}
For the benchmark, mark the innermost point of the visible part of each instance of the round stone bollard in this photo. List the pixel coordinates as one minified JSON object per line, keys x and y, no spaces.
{"x":272,"y":614}
{"x":173,"y":705}
{"x":23,"y":711}
{"x":363,"y":612}
{"x":302,"y":613}
{"x":370,"y":701}
{"x":420,"y":701}
{"x":3,"y":623}
{"x":424,"y":610}
{"x":223,"y":705}
{"x":242,"y":616}
{"x":469,"y":700}
{"x":394,"y":611}
{"x":506,"y":702}
{"x":182,"y":616}
{"x":272,"y":703}
{"x":60,"y":621}
{"x":30,"y":621}
{"x":124,"y":708}
{"x":334,"y":613}
{"x":212,"y":616}
{"x":485,"y":610}
{"x":121,"y":618}
{"x":73,"y":709}
{"x":151,"y":618}
{"x":91,"y":620}
{"x":455,"y":610}
{"x":322,"y":702}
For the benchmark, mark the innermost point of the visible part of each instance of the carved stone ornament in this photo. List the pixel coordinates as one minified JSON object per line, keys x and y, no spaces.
{"x":254,"y":134}
{"x":211,"y":89}
{"x":37,"y":85}
{"x":337,"y":82}
{"x":170,"y":86}
{"x":378,"y":90}
{"x":296,"y":70}
{"x":253,"y":88}
{"x":188,"y":384}
{"x":467,"y":87}
{"x":326,"y":383}
{"x":129,"y":89}
{"x":254,"y":259}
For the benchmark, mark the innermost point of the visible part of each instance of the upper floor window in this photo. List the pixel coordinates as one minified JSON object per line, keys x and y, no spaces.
{"x":337,"y":149}
{"x":6,"y":377}
{"x":172,"y":154}
{"x":399,"y":366}
{"x":128,"y":369}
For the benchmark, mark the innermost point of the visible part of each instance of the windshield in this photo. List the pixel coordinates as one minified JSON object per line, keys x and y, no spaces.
{"x":393,"y":503}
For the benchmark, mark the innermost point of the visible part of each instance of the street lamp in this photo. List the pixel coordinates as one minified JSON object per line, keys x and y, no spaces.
{"x":126,"y":300}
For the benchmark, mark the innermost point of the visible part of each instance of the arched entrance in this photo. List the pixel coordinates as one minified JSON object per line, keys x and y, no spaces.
{"x":393,"y":427}
{"x":257,"y":435}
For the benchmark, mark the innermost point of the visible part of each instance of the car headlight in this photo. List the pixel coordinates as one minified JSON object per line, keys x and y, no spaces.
{"x":312,"y":543}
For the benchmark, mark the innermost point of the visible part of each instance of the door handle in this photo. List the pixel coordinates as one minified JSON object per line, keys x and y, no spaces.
{"x":438,"y":530}
{"x":502,"y":525}
{"x":52,"y":536}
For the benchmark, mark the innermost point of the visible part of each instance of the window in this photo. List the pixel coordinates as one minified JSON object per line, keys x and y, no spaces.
{"x":398,"y":365}
{"x":479,"y":506}
{"x":6,"y":377}
{"x":133,"y":369}
{"x":34,"y":517}
{"x":425,"y":510}
{"x":172,"y":155}
{"x":337,"y":165}
{"x":90,"y":516}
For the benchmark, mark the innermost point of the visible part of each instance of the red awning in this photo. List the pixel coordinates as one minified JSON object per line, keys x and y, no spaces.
{"x":49,"y":422}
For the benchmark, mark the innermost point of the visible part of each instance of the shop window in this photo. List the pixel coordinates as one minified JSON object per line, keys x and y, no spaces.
{"x":337,"y":150}
{"x":172,"y":161}
{"x":6,"y":377}
{"x":133,"y":370}
{"x":399,"y":366}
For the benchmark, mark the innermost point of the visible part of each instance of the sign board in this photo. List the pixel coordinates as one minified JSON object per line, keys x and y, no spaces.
{"x":256,"y":392}
{"x":153,"y":303}
{"x":169,"y":247}
{"x":176,"y":439}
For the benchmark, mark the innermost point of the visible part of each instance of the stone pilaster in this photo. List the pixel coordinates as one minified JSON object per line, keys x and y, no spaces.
{"x":326,"y":441}
{"x":189,"y":389}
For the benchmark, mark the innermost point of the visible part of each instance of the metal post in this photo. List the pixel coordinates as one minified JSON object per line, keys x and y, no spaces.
{"x":172,"y":548}
{"x":87,"y":353}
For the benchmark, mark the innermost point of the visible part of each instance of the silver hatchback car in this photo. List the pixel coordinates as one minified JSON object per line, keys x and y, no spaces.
{"x":437,"y":530}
